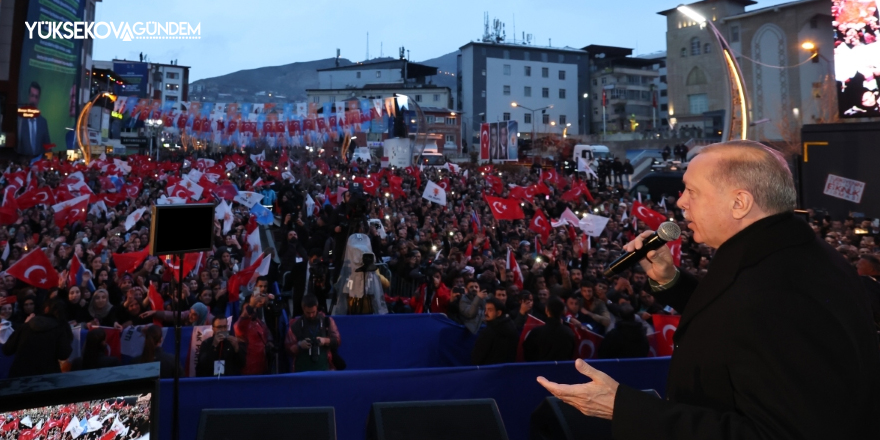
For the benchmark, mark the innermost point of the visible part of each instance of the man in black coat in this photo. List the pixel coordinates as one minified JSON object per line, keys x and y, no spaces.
{"x":40,"y":343}
{"x":553,"y":341}
{"x":497,"y":342}
{"x":627,"y":339}
{"x":776,"y":342}
{"x":221,"y":347}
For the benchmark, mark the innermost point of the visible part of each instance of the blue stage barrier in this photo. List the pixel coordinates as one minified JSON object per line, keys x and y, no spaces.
{"x":513,"y":386}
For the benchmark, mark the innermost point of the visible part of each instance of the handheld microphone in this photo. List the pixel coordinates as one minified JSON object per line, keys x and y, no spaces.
{"x":668,"y":231}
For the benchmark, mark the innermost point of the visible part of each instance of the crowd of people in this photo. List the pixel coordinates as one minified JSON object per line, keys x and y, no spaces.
{"x":489,"y":275}
{"x":124,"y":418}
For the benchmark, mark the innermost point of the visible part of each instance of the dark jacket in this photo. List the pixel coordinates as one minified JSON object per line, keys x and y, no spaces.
{"x":104,"y":361}
{"x":38,"y":345}
{"x":553,"y":341}
{"x":626,"y":340}
{"x":224,"y":351}
{"x":775,"y":342}
{"x":496,"y":343}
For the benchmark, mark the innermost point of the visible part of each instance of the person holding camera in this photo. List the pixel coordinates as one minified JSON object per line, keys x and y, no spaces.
{"x":472,"y":306}
{"x":252,"y":329}
{"x":312,"y":339}
{"x":222,"y":354}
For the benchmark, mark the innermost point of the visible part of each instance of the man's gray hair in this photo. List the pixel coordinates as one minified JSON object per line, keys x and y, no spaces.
{"x":758,"y":169}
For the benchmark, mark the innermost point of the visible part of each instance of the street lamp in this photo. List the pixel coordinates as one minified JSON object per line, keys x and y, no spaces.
{"x":154,"y":126}
{"x":736,"y":124}
{"x":515,"y":105}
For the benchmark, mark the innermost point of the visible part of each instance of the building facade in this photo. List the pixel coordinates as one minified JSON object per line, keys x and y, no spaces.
{"x":781,"y":85}
{"x":444,"y":127}
{"x":492,"y":76}
{"x":660,"y":86}
{"x":628,"y":87}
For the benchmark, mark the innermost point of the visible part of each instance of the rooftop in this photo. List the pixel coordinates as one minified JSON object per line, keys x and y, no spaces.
{"x":413,"y":70}
{"x":523,"y":46}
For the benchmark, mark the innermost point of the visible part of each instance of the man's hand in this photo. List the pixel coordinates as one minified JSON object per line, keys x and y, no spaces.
{"x":304,"y":344}
{"x":483,"y":294}
{"x":595,"y":398}
{"x":323,"y":341}
{"x":657,"y":264}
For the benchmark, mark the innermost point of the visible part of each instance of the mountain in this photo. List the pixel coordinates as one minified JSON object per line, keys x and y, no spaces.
{"x":289,"y":82}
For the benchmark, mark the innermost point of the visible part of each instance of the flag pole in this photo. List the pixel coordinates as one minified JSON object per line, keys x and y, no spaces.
{"x":175,"y":415}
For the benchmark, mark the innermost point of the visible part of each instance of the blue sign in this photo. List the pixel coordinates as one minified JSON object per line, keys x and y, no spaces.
{"x":136,"y":77}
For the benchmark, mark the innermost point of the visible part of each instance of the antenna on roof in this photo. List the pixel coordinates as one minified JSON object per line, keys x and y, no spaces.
{"x":368,"y":47}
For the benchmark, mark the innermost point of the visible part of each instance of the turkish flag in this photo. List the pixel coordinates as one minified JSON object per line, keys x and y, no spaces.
{"x":370,"y":185}
{"x":587,"y":343}
{"x":650,"y":217}
{"x":665,"y":326}
{"x":675,"y":248}
{"x":486,"y":169}
{"x":445,"y":185}
{"x":128,"y":262}
{"x":484,"y":141}
{"x":505,"y":209}
{"x":553,"y":177}
{"x":34,"y":197}
{"x":226,"y":192}
{"x":243,"y":277}
{"x":531,"y":324}
{"x":35,"y":269}
{"x":180,"y":191}
{"x":131,"y":191}
{"x":540,"y":224}
{"x":71,"y":211}
{"x":190,"y":260}
{"x":109,"y":199}
{"x":521,"y":193}
{"x":156,"y":302}
{"x":497,"y":184}
{"x":573,"y":195}
{"x":9,"y":208}
{"x":515,"y":272}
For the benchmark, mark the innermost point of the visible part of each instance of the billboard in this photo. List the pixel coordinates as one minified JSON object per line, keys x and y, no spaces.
{"x":498,"y":141}
{"x":135,"y":76}
{"x":856,"y":55}
{"x":47,"y":80}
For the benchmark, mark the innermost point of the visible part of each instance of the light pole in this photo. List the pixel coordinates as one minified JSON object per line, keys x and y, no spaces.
{"x":736,"y":124}
{"x":515,"y":105}
{"x":82,"y":125}
{"x":154,"y":126}
{"x":584,"y":114}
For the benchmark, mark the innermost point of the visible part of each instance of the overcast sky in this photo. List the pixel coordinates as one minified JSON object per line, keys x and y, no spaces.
{"x":240,"y":35}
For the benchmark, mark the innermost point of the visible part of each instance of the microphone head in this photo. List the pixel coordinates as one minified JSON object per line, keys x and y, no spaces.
{"x":668,"y":231}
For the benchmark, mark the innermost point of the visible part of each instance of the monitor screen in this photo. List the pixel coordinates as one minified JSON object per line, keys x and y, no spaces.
{"x":856,"y":55}
{"x":124,"y":417}
{"x":182,"y":228}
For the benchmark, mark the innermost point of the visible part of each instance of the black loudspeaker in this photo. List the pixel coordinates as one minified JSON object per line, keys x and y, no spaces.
{"x":177,"y":229}
{"x":268,"y":423}
{"x":476,"y":419}
{"x":557,"y":420}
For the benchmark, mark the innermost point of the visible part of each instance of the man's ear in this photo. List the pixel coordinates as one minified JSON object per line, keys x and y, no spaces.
{"x":743,"y":204}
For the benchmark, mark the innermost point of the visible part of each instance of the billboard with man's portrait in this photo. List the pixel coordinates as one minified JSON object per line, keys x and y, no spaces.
{"x":49,"y":73}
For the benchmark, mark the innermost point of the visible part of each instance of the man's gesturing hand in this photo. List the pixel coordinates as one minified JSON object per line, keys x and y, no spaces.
{"x":595,"y":398}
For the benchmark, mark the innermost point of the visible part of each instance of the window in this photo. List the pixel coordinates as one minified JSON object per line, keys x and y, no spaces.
{"x":664,"y":107}
{"x":561,"y":58}
{"x":663,"y":79}
{"x":527,"y":118}
{"x":436,"y":97}
{"x":507,"y":69}
{"x":506,"y":54}
{"x":561,"y":93}
{"x":450,"y":121}
{"x":545,"y":118}
{"x":594,"y":82}
{"x":172,"y":86}
{"x":506,"y":117}
{"x":418,"y":98}
{"x":483,"y":94}
{"x":684,"y":52}
{"x":172,"y":75}
{"x":603,"y":80}
{"x":561,"y":119}
{"x":450,"y":138}
{"x":734,"y":34}
{"x":663,"y":92}
{"x":527,"y":57}
{"x":358,"y":74}
{"x":664,"y":122}
{"x":696,"y":77}
{"x":429,"y":119}
{"x":484,"y":72}
{"x":695,"y":46}
{"x":528,"y":70}
{"x":378,"y":74}
{"x":698,"y":104}
{"x":506,"y":90}
{"x":170,"y":98}
{"x":545,"y":92}
{"x":316,"y":99}
{"x":545,"y":72}
{"x":527,"y":91}
{"x":544,"y":57}
{"x":707,"y":48}
{"x":561,"y":74}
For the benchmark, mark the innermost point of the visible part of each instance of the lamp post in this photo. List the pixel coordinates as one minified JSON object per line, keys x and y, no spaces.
{"x":736,"y":124}
{"x":584,"y":114}
{"x":515,"y":105}
{"x":154,"y":126}
{"x":82,"y":125}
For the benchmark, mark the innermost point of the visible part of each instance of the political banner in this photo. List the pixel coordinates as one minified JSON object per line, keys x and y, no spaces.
{"x":843,"y":188}
{"x":199,"y":334}
{"x":484,"y":141}
{"x":50,"y":71}
{"x":512,"y":141}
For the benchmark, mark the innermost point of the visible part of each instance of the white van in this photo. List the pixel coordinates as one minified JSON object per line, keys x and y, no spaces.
{"x":430,"y":158}
{"x":590,"y":154}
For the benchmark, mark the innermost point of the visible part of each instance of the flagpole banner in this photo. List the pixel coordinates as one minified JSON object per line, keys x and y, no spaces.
{"x":512,"y":141}
{"x":50,"y":70}
{"x":484,"y":141}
